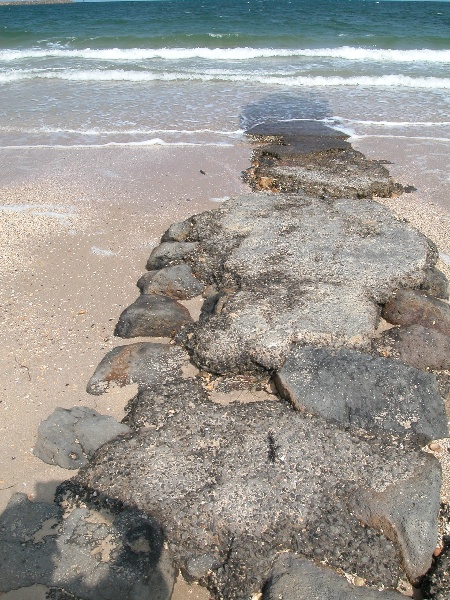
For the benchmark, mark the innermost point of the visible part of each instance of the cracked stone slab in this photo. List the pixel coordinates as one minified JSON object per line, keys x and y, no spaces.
{"x":69,"y":437}
{"x":355,"y":389}
{"x":143,"y":363}
{"x":152,"y":315}
{"x":83,"y":553}
{"x":292,"y":268}
{"x":235,"y":485}
{"x":177,"y":282}
{"x":414,"y":307}
{"x":295,"y":578}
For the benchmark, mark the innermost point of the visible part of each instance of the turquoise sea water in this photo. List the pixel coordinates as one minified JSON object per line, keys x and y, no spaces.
{"x":201,"y":71}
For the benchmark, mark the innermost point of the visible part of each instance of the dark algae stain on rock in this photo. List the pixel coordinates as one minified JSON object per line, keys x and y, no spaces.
{"x":291,"y":498}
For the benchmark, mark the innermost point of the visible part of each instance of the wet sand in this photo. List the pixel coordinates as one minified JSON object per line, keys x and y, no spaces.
{"x":77,"y":226}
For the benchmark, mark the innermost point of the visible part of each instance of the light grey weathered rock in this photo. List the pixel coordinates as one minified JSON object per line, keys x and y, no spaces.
{"x":68,"y":437}
{"x":356,"y":389}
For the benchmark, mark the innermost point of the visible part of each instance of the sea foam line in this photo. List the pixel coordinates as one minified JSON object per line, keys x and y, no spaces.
{"x":242,"y":53}
{"x":97,"y":131}
{"x":146,"y":143}
{"x":394,"y":123}
{"x":402,"y":81}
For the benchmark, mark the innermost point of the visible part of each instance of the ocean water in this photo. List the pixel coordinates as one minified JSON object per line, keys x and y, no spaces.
{"x":202,"y":71}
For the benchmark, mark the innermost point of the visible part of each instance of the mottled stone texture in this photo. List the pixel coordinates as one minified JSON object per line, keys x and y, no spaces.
{"x":232,"y":486}
{"x":292,"y":268}
{"x":352,"y":388}
{"x":294,"y":578}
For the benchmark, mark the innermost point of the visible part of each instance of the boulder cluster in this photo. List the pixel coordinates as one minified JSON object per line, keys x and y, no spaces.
{"x":275,"y":447}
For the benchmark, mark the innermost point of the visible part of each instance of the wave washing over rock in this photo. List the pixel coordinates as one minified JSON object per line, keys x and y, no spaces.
{"x":315,"y":484}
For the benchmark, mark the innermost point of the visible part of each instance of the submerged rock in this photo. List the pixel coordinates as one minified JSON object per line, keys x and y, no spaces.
{"x":235,"y":485}
{"x":152,"y":315}
{"x":315,"y":159}
{"x":356,"y":389}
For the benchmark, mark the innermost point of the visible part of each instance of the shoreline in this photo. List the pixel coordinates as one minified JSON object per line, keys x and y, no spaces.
{"x":74,"y":283}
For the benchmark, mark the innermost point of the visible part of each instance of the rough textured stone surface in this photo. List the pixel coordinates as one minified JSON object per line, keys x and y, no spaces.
{"x":89,"y":554}
{"x":235,"y":485}
{"x":313,"y":158}
{"x":436,"y":585}
{"x":435,"y":283}
{"x":295,"y":578}
{"x":144,"y":363}
{"x":152,"y":315}
{"x":412,"y":307}
{"x":68,"y":437}
{"x":418,"y":346}
{"x":168,"y":254}
{"x":176,"y":282}
{"x":352,"y":388}
{"x":294,"y":268}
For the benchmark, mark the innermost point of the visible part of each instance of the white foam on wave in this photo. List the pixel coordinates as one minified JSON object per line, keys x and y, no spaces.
{"x":144,"y":143}
{"x":394,"y":124}
{"x":97,"y":75}
{"x":241,"y":53}
{"x":405,"y":137}
{"x":96,"y":131}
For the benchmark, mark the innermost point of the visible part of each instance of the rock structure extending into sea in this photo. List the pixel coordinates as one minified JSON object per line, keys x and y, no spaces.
{"x":316,"y":485}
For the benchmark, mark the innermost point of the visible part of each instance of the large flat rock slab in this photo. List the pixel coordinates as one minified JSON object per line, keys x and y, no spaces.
{"x":293,"y":268}
{"x":358,"y":390}
{"x":235,"y":485}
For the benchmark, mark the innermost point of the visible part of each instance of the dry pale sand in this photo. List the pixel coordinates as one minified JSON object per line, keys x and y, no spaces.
{"x":76,"y":227}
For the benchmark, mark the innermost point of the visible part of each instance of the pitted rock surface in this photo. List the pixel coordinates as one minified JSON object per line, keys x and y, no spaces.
{"x":233,"y":486}
{"x":313,"y":158}
{"x":292,"y":268}
{"x":152,"y":315}
{"x":85,"y":553}
{"x":295,"y":578}
{"x":417,"y":346}
{"x":413,"y":307}
{"x":69,"y":437}
{"x":359,"y":390}
{"x":176,"y":282}
{"x":168,"y":254}
{"x":143,"y":363}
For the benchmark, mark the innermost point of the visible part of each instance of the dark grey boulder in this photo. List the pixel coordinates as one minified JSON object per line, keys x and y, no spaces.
{"x":235,"y":485}
{"x":168,"y":254}
{"x":144,"y":363}
{"x":417,"y":346}
{"x":292,"y":268}
{"x":359,"y":390}
{"x":69,"y":437}
{"x":413,"y":307}
{"x":152,"y":315}
{"x":178,"y":232}
{"x":176,"y":282}
{"x":83,"y":553}
{"x":295,"y":578}
{"x":435,"y":283}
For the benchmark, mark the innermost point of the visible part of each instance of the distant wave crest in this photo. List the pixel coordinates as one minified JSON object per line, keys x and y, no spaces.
{"x":137,"y":54}
{"x":99,"y":75}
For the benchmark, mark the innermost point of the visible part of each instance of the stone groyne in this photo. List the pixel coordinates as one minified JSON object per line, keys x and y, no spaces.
{"x":275,"y":446}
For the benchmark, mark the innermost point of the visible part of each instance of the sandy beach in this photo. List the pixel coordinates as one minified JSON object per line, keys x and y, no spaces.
{"x":77,"y":226}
